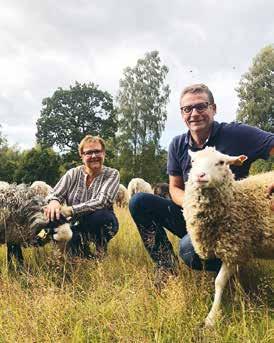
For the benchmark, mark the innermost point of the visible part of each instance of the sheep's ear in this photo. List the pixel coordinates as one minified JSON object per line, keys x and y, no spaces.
{"x":38,"y":223}
{"x":236,"y":160}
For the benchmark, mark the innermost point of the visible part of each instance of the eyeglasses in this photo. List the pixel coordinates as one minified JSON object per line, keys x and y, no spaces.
{"x":92,"y":152}
{"x":200,"y":108}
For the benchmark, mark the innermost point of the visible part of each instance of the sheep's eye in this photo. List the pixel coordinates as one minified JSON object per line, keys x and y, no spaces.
{"x":220,"y":163}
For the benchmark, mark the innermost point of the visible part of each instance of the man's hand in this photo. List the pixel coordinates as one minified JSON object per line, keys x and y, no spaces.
{"x":270,"y":191}
{"x":52,"y":210}
{"x":67,"y":211}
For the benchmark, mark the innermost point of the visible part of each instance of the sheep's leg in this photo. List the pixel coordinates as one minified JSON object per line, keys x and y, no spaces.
{"x":9,"y":253}
{"x":16,"y":251}
{"x":220,"y":282}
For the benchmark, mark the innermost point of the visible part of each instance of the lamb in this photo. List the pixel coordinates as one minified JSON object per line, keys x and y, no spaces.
{"x":122,"y":196}
{"x":22,"y":218}
{"x":41,"y":188}
{"x":225,"y":218}
{"x":162,"y":189}
{"x":137,"y":185}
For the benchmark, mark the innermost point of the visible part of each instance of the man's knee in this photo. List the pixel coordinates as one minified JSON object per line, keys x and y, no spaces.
{"x":192,"y":260}
{"x":137,"y":203}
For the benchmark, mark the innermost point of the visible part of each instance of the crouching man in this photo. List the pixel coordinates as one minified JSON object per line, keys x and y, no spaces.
{"x":153,"y":215}
{"x":89,"y":191}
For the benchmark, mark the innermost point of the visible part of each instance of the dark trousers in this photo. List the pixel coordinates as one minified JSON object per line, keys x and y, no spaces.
{"x":152,"y":215}
{"x":98,"y":227}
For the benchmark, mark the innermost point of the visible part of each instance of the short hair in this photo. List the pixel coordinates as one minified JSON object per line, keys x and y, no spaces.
{"x":198,"y":88}
{"x":90,"y":139}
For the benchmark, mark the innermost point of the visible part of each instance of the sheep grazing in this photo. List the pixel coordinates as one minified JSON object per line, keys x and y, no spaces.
{"x":122,"y":196}
{"x":162,"y":189}
{"x":41,"y":188}
{"x":225,"y":218}
{"x":137,"y":185}
{"x":22,"y":218}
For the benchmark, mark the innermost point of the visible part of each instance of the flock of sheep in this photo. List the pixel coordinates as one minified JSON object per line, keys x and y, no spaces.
{"x":228,"y":219}
{"x":137,"y":185}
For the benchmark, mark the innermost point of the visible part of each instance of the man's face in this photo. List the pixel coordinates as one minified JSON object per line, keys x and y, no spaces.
{"x":93,"y":156}
{"x":199,"y":119}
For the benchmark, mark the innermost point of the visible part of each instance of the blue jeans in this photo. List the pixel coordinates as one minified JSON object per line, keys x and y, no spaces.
{"x":98,"y":227}
{"x":152,"y":215}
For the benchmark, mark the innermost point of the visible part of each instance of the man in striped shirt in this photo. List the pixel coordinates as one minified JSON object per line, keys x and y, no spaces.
{"x":89,"y":191}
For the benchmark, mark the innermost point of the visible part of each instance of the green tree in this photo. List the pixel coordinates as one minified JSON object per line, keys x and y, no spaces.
{"x":153,"y":164}
{"x":256,"y":92}
{"x":9,"y":160}
{"x":142,"y":99}
{"x":39,"y":164}
{"x":3,"y":139}
{"x":69,"y":115}
{"x":261,"y":166}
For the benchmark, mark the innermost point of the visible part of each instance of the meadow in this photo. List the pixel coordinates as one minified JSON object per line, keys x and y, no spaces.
{"x":55,"y":299}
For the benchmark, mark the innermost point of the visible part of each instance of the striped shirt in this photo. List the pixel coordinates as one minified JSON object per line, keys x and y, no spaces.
{"x":100,"y":194}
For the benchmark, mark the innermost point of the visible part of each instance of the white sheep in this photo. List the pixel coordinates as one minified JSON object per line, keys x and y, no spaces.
{"x":41,"y":188}
{"x":137,"y":185}
{"x":227,"y":219}
{"x":122,"y":197}
{"x":4,"y":185}
{"x":22,"y":218}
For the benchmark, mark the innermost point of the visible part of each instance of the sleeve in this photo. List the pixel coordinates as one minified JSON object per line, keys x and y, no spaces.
{"x":173,"y":166}
{"x":106,"y":195}
{"x":60,"y":190}
{"x":255,"y":142}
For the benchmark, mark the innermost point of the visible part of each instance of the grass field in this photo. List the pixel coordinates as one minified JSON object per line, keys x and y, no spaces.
{"x":54,"y":300}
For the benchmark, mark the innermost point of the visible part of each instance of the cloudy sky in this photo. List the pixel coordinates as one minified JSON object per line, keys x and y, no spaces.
{"x":49,"y":44}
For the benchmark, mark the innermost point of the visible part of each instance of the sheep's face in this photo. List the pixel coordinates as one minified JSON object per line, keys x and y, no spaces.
{"x":60,"y":228}
{"x":63,"y":233}
{"x":211,"y":168}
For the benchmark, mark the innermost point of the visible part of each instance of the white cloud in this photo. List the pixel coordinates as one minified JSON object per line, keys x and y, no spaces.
{"x":49,"y":44}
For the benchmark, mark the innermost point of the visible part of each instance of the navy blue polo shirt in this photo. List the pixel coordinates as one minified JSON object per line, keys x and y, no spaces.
{"x":232,"y":139}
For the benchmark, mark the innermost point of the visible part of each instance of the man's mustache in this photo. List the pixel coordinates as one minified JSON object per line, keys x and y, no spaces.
{"x":97,"y":159}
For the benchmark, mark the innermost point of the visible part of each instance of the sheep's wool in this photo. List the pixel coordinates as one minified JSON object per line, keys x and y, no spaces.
{"x":230,"y":220}
{"x":21,"y":214}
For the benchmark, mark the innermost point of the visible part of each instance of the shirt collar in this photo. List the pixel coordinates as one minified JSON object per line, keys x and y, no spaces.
{"x":189,"y":140}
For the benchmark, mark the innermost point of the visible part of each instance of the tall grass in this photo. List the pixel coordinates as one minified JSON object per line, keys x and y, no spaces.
{"x":56,"y":300}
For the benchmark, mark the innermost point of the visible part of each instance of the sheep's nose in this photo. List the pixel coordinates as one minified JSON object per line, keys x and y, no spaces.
{"x":201,"y":176}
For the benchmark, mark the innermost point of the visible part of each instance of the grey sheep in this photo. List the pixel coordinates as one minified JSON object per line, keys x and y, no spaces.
{"x":162,"y":189}
{"x":227,"y":219}
{"x":22,"y":218}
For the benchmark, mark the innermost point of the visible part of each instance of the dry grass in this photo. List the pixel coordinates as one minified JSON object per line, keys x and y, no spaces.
{"x":54,"y":300}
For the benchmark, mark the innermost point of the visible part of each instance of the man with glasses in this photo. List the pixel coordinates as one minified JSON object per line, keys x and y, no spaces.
{"x":89,"y":191}
{"x":153,"y":214}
